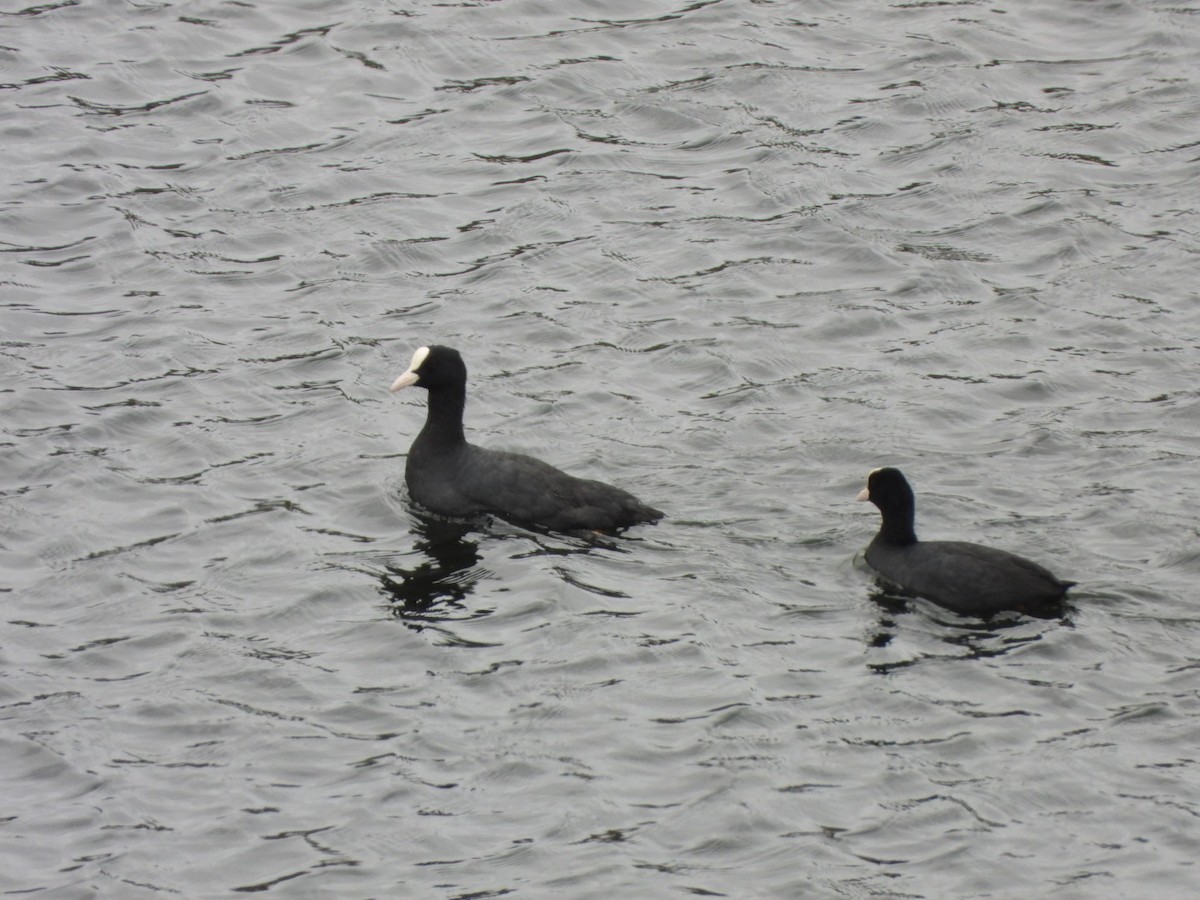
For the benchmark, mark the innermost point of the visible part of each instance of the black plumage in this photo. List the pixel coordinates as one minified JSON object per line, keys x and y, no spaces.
{"x":968,"y":578}
{"x":451,"y":477}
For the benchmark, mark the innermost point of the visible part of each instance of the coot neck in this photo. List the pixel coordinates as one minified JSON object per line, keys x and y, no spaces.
{"x":444,"y":422}
{"x":897,"y":526}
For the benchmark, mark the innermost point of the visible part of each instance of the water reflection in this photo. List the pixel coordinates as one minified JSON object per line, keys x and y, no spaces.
{"x":944,"y":634}
{"x":436,"y":588}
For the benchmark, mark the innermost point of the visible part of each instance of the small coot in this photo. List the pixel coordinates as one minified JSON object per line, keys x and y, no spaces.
{"x":968,"y":578}
{"x":448,"y":476}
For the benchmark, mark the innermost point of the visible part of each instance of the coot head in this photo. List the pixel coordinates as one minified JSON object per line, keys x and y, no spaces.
{"x":889,"y":490}
{"x":433,"y":367}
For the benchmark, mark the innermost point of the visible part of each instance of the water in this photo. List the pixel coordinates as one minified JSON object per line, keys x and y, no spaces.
{"x":728,"y":255}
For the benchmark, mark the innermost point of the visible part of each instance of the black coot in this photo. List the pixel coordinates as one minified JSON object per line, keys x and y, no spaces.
{"x":448,"y":476}
{"x":968,"y":578}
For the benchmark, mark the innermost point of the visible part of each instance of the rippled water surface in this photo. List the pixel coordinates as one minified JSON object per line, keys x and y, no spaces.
{"x":729,"y":255}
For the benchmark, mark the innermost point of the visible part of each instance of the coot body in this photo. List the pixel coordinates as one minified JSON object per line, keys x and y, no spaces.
{"x":451,"y":477}
{"x":967,"y":578}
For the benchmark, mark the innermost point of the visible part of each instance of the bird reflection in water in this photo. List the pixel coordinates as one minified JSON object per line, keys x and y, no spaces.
{"x":435,"y":589}
{"x":942,"y":634}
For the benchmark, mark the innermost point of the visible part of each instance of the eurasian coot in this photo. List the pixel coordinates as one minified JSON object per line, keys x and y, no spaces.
{"x":448,"y":476}
{"x":968,"y":578}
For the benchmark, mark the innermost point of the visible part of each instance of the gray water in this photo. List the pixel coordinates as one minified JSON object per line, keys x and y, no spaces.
{"x":728,"y":255}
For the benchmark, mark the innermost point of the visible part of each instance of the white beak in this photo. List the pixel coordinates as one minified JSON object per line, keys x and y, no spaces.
{"x":864,"y":494}
{"x":408,"y":379}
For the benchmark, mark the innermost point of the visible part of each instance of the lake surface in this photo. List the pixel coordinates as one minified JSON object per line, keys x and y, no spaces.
{"x":728,"y":255}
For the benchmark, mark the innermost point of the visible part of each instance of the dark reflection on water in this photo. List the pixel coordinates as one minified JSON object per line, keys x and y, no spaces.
{"x":963,"y":637}
{"x":439,"y":586}
{"x":436,"y":588}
